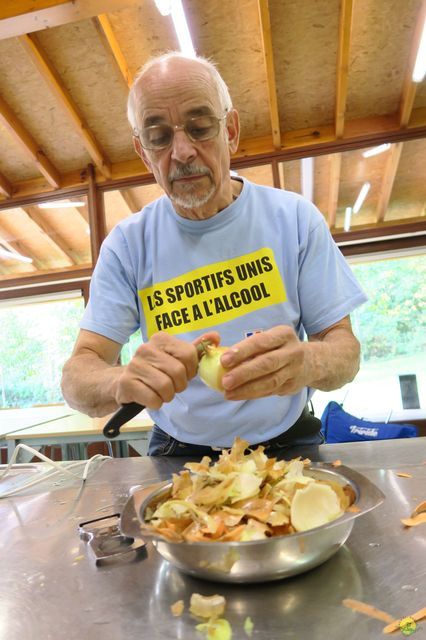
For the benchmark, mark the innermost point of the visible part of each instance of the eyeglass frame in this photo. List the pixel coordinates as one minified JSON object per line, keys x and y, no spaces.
{"x":180,"y":127}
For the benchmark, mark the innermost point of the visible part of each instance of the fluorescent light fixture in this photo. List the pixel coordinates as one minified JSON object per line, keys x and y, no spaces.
{"x":11,"y":255}
{"x":164,"y":7}
{"x":348,"y":216}
{"x":175,"y":9}
{"x":419,"y":70}
{"x":307,"y":178}
{"x":361,"y":197}
{"x":374,"y":151}
{"x":61,"y":204}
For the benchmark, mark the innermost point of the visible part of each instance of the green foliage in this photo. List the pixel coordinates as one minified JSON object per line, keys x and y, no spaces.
{"x":392,"y":323}
{"x":36,"y":339}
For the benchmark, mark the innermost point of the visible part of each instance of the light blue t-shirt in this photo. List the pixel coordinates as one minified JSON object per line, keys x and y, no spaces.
{"x":267,"y":259}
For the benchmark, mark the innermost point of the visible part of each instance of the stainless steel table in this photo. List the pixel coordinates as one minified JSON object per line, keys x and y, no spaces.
{"x":50,"y":587}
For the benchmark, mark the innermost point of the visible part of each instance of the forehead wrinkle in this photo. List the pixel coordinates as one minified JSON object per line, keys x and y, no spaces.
{"x":169,"y":85}
{"x":192,"y":112}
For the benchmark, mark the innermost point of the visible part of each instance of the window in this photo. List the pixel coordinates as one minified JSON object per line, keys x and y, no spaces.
{"x":37,"y":336}
{"x":391,"y":327}
{"x":130,"y":347}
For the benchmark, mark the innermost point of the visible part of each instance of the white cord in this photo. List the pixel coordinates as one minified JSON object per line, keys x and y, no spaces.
{"x":56,"y":467}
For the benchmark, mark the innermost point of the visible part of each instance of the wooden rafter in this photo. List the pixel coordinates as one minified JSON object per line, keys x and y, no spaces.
{"x":84,"y":212}
{"x":103,"y":25}
{"x":129,"y":200}
{"x":18,"y":17}
{"x":18,"y":245}
{"x":335,"y":160}
{"x":409,"y":88}
{"x":361,"y":133}
{"x":345,"y":29}
{"x":54,"y":82}
{"x":62,"y":246}
{"x":10,"y":8}
{"x":28,"y":144}
{"x":268,"y":55}
{"x":394,"y":155}
{"x":6,"y":188}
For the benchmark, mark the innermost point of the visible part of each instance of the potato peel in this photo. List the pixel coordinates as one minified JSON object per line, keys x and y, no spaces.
{"x":177,"y":608}
{"x":207,"y":606}
{"x":396,"y":624}
{"x":313,"y":506}
{"x":420,"y":518}
{"x":245,"y":496}
{"x":421,"y":508}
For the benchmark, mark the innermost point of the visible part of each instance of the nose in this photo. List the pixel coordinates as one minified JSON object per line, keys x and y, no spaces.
{"x":183,"y":149}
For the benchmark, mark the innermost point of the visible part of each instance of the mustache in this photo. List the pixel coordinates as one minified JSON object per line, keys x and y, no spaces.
{"x":185,"y":170}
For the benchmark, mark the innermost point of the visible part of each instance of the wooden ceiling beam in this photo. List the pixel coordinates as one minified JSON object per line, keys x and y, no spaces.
{"x":359,"y":134}
{"x":18,"y":17}
{"x":77,"y":273}
{"x":18,"y":245}
{"x":104,"y":27}
{"x":34,"y":214}
{"x":29,"y":145}
{"x":268,"y":56}
{"x":10,"y":8}
{"x":129,"y":200}
{"x":345,"y":31}
{"x":54,"y":82}
{"x":335,"y":163}
{"x":409,"y":88}
{"x":388,"y":229}
{"x":391,"y":167}
{"x":6,"y":188}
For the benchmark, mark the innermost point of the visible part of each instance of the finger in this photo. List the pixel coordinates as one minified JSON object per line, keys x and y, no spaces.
{"x":256,"y":344}
{"x":154,"y":365}
{"x":137,"y":391}
{"x":212,"y":337}
{"x":162,"y":343}
{"x":265,"y":364}
{"x":270,"y":385}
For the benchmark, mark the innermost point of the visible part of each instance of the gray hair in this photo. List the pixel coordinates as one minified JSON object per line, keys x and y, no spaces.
{"x":221,"y":87}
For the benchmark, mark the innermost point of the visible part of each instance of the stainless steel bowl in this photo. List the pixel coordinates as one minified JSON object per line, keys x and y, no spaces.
{"x":260,"y":560}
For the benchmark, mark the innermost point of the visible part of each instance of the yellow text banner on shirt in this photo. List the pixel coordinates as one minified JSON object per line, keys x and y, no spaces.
{"x":213,"y":294}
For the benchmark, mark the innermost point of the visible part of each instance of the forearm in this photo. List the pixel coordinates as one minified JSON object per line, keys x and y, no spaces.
{"x":89,"y":384}
{"x":333,"y":360}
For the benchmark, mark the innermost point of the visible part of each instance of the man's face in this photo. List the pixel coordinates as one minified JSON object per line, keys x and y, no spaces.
{"x":195,"y":175}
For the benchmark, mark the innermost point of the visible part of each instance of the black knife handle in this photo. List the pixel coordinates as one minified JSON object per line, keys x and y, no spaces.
{"x":125,"y":413}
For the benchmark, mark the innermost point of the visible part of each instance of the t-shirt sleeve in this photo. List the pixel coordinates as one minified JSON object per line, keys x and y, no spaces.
{"x":113,"y":309}
{"x":328,"y":290}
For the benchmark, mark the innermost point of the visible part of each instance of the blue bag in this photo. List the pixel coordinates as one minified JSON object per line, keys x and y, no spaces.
{"x":340,"y":426}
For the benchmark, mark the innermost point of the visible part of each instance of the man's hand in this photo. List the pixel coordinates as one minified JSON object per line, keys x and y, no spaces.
{"x":276,"y":362}
{"x":266,"y":364}
{"x":159,"y":369}
{"x":93,"y":382}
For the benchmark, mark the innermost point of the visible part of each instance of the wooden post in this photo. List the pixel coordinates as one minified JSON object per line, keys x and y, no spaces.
{"x":96,"y":215}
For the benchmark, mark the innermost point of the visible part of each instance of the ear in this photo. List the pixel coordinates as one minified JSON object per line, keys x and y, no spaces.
{"x":141,"y":152}
{"x":233,"y":130}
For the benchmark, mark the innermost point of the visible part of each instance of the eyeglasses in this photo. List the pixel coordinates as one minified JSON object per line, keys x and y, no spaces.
{"x":198,"y":129}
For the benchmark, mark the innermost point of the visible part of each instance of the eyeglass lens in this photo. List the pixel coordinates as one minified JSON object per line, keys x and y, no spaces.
{"x":160,"y":136}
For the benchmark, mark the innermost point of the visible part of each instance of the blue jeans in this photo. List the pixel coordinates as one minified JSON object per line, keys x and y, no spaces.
{"x":305,"y":431}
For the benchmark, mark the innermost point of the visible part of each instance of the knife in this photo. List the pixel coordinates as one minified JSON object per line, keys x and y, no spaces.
{"x":131,"y":409}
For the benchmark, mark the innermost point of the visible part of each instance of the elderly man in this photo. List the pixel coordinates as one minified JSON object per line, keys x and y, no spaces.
{"x":216,"y":257}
